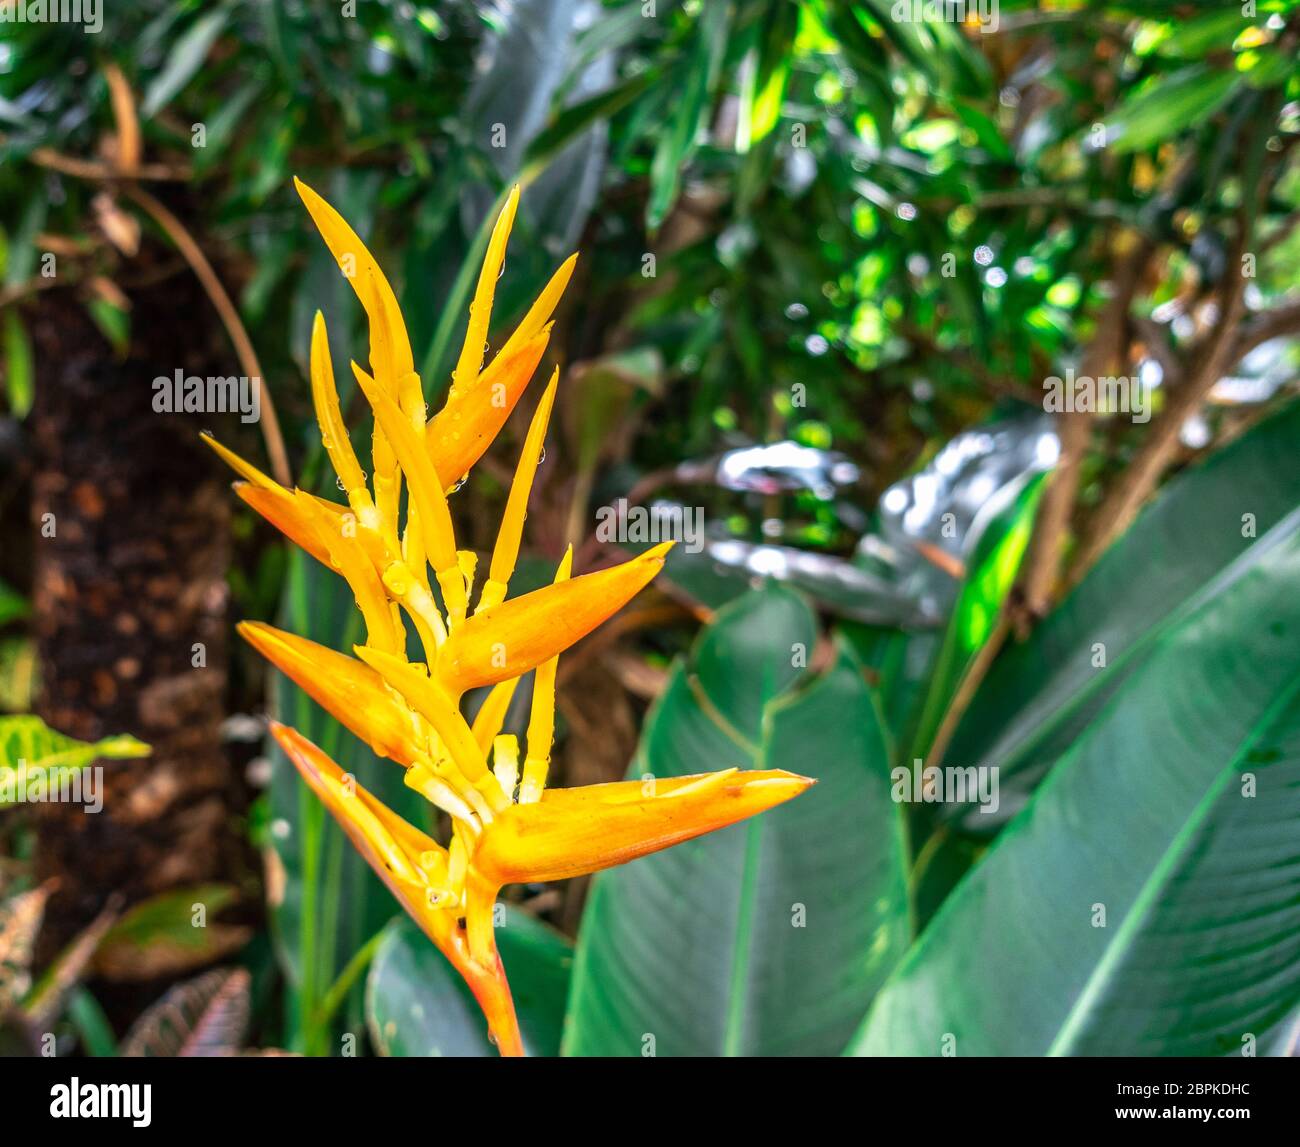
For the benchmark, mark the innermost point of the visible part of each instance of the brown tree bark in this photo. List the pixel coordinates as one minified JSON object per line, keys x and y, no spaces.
{"x":130,"y":601}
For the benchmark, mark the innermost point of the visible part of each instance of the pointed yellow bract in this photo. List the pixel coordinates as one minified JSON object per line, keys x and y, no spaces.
{"x":571,"y":832}
{"x":334,"y":433}
{"x":281,"y":509}
{"x":519,"y":634}
{"x":416,"y":869}
{"x":506,"y":552}
{"x":541,"y":719}
{"x":492,"y":713}
{"x":480,"y":309}
{"x":348,"y":690}
{"x":363,"y":274}
{"x":506,"y":825}
{"x":457,"y":435}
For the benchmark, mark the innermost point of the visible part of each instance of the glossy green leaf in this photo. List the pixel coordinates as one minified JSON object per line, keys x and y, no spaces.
{"x":417,"y":1004}
{"x":1144,"y":903}
{"x":1198,"y":537}
{"x":1168,"y":105}
{"x":992,"y":570}
{"x":769,"y":937}
{"x":185,"y":58}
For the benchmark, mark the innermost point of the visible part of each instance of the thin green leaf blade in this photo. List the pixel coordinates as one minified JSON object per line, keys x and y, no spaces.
{"x":1167,"y":106}
{"x":186,"y":59}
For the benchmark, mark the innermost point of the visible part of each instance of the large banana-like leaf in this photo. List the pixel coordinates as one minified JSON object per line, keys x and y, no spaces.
{"x":772,"y":936}
{"x":1197,"y":539}
{"x":1147,"y":901}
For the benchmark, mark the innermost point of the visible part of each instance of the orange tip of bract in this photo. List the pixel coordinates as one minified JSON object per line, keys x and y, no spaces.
{"x":459,"y":434}
{"x":279,"y":507}
{"x":570,"y":832}
{"x":515,"y":636}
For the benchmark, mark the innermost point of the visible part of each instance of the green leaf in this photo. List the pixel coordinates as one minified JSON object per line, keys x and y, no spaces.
{"x":769,"y":937}
{"x":1197,"y":538}
{"x":50,"y":995}
{"x":94,"y":1032}
{"x":991,"y":573}
{"x":33,"y":756}
{"x":418,"y":1005}
{"x":987,"y":133}
{"x":573,"y":120}
{"x":186,"y":58}
{"x":19,"y":368}
{"x":766,"y":74}
{"x":169,"y":934}
{"x":697,"y":74}
{"x":527,"y":62}
{"x":1144,"y":902}
{"x":1213,"y":32}
{"x":1167,"y":105}
{"x":223,"y":126}
{"x":1268,"y":67}
{"x":20,"y":250}
{"x":31,"y":739}
{"x":114,"y":324}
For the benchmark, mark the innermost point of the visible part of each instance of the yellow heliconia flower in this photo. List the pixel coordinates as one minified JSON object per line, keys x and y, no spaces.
{"x":507,"y":827}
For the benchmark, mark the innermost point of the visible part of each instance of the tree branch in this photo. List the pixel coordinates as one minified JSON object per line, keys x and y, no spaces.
{"x":1032,"y":596}
{"x":1139,"y":481}
{"x":1264,"y":327}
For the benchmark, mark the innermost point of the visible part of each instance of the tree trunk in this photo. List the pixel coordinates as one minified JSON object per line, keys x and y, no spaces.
{"x":130,"y":602}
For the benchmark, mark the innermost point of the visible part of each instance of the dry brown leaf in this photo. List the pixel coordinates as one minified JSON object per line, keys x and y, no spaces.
{"x":121,"y":229}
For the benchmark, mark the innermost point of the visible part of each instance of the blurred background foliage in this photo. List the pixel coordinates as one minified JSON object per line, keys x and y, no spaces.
{"x":861,"y":241}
